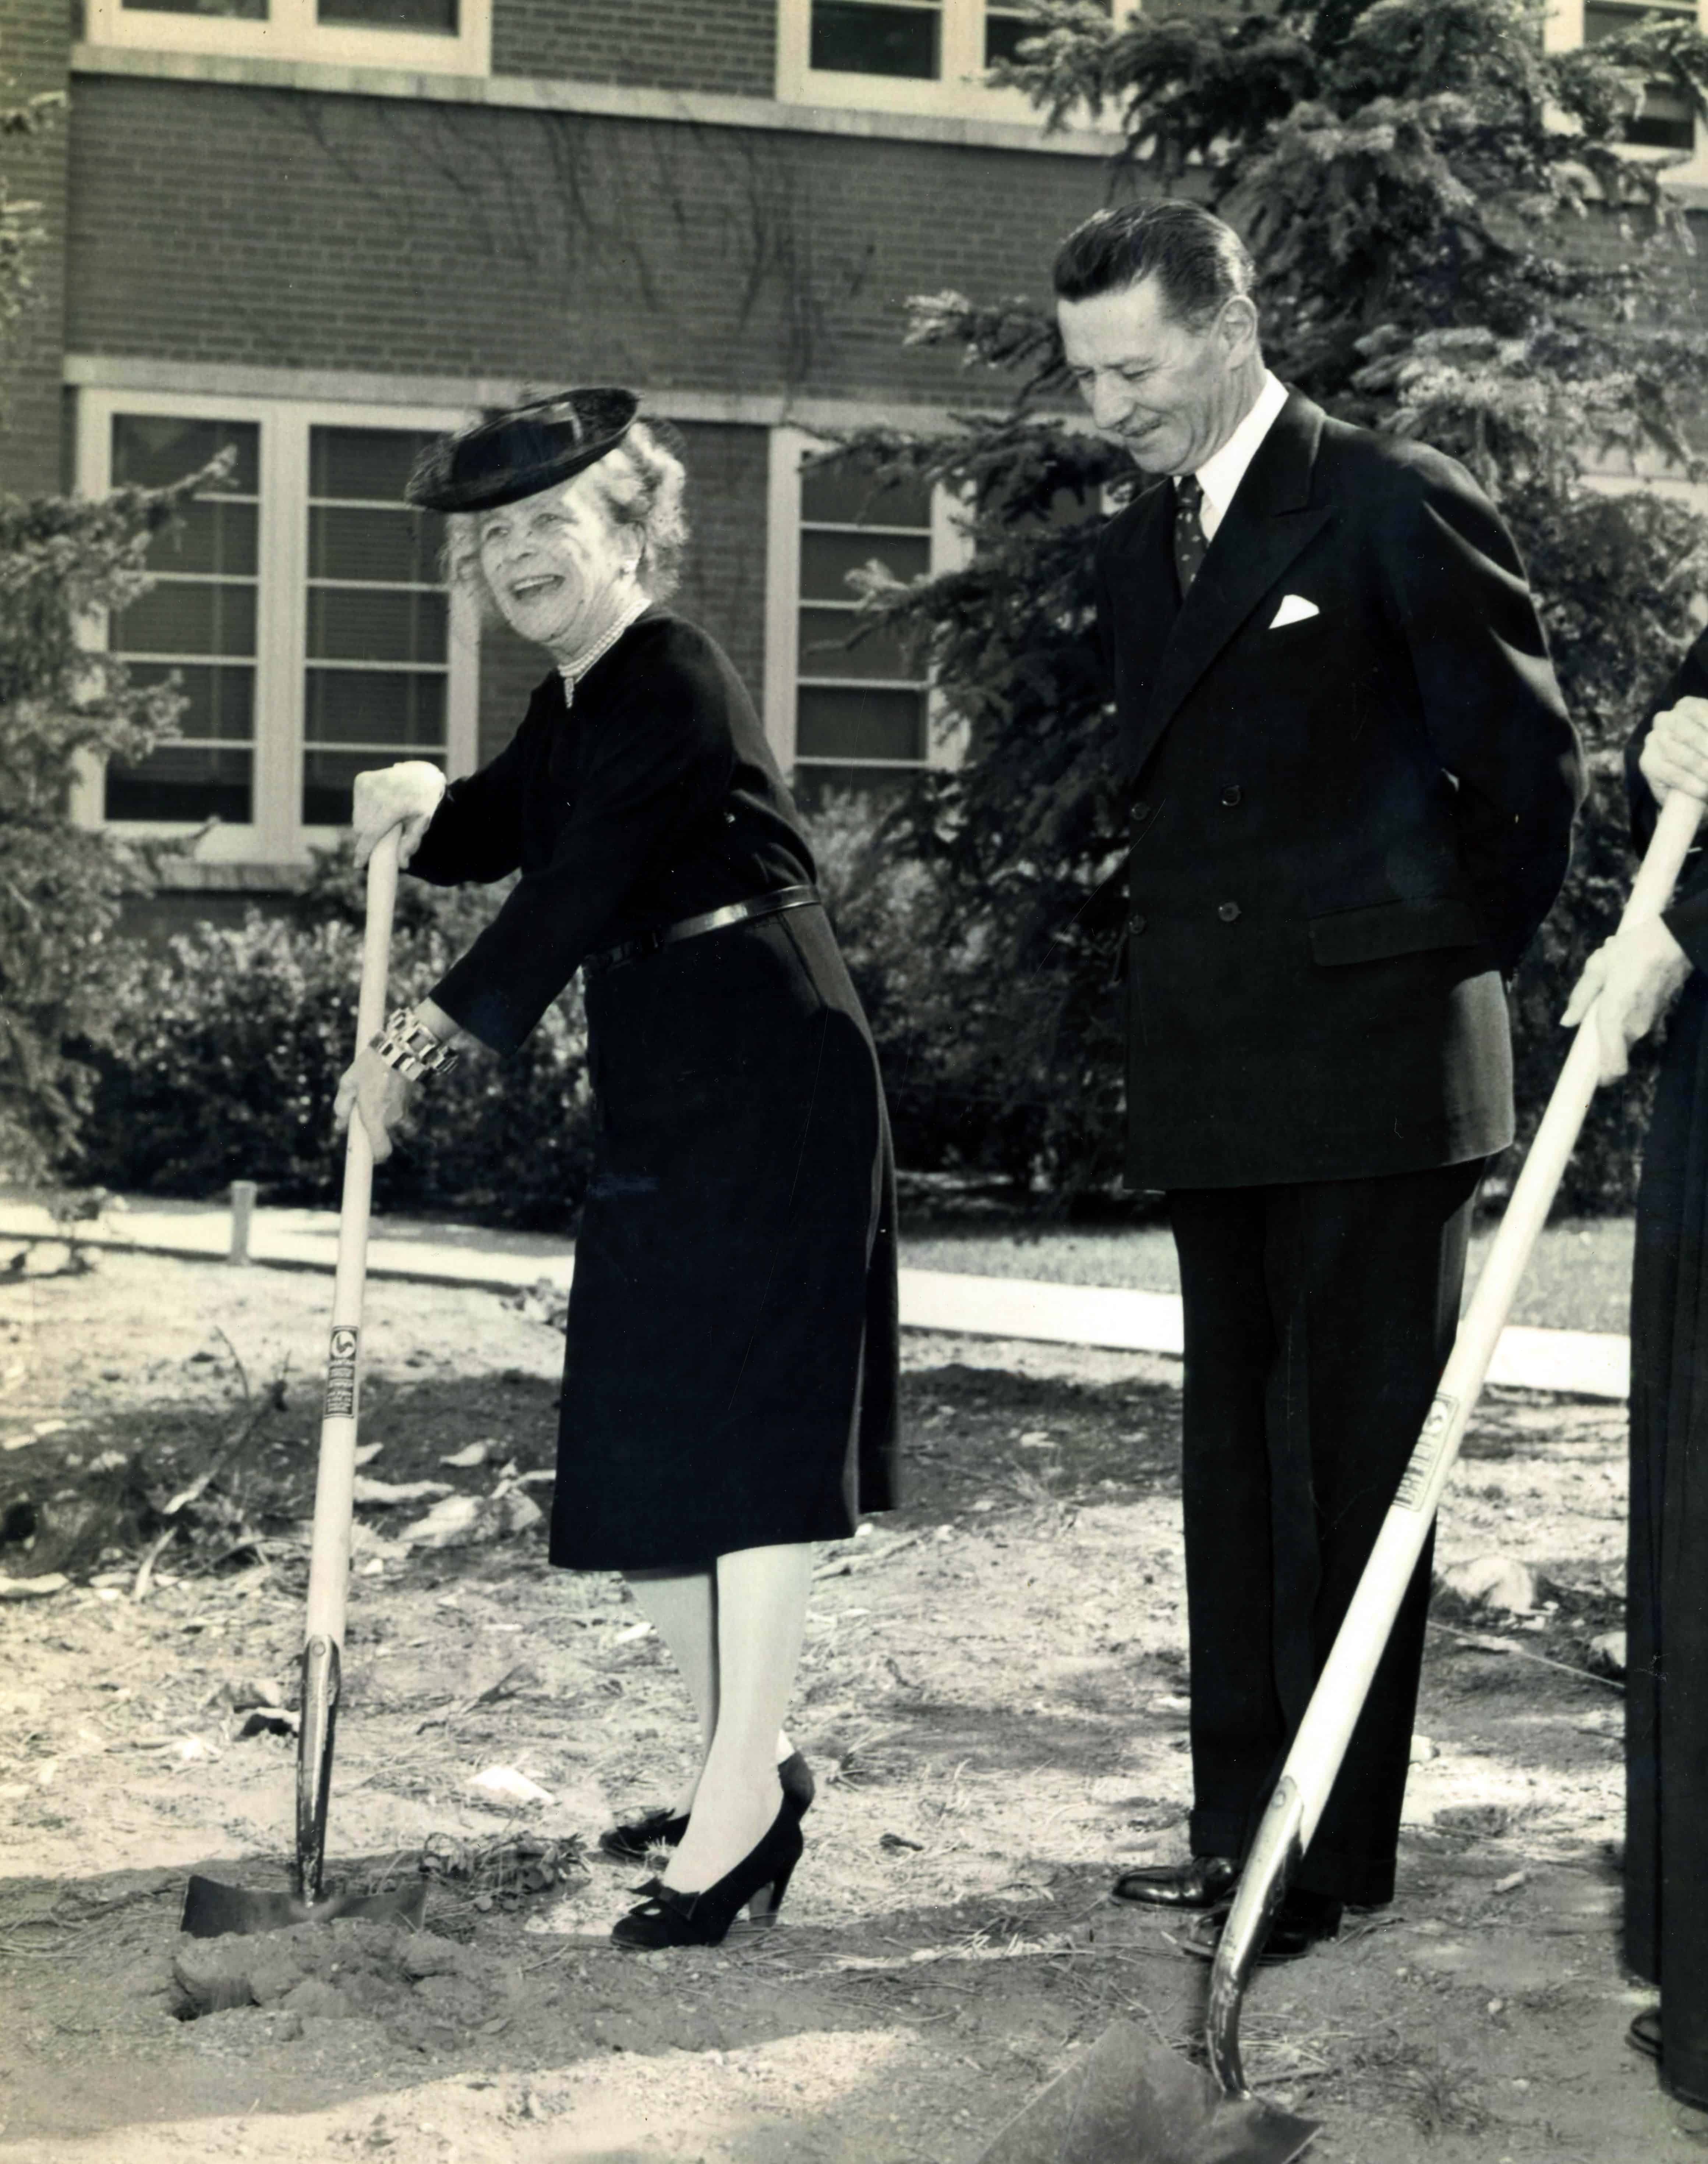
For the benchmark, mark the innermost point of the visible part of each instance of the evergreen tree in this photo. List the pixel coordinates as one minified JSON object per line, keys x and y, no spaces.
{"x":60,"y":885}
{"x":1450,"y":243}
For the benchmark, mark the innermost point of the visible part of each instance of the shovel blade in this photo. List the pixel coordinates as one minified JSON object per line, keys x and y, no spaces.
{"x":214,"y":1911}
{"x":1129,"y":2099}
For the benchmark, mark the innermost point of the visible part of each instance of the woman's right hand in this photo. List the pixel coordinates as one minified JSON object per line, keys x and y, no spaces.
{"x":1628,"y":984}
{"x":1675,"y":752}
{"x":406,"y":795}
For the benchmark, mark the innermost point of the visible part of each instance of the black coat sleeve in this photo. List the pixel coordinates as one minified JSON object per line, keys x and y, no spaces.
{"x":1687,"y":919}
{"x":1491,"y":701}
{"x":659,"y":764}
{"x":475,"y":834}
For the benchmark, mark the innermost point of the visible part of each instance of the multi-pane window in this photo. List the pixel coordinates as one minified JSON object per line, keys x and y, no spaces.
{"x":440,"y":15}
{"x":1005,"y":27}
{"x":453,"y":35}
{"x":1667,"y":121}
{"x":198,"y":623}
{"x":378,"y":636}
{"x":847,"y":705}
{"x":878,"y":36}
{"x":861,"y":703}
{"x":908,"y":55}
{"x":238,"y":11}
{"x":301,"y":608}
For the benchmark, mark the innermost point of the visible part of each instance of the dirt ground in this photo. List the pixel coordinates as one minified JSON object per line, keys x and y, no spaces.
{"x":993,"y":1698}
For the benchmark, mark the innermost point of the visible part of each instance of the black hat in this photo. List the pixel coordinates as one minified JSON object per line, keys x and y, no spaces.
{"x":519,"y":453}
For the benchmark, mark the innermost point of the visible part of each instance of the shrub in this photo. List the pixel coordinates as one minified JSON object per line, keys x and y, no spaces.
{"x":965,"y":1095}
{"x":233,"y":1042}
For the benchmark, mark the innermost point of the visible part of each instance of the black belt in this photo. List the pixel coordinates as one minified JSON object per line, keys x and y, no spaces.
{"x":690,"y":927}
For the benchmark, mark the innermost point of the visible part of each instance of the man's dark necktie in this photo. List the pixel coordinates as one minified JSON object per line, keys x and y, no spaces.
{"x":1191,"y":540}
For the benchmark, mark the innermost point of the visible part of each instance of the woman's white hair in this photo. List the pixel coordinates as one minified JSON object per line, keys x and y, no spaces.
{"x":640,"y":484}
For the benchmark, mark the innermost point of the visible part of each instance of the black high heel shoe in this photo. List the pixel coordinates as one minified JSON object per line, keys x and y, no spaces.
{"x":758,"y":1884}
{"x":662,"y":1829}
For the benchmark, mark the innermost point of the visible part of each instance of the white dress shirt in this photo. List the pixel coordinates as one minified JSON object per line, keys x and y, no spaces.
{"x":1220,"y":476}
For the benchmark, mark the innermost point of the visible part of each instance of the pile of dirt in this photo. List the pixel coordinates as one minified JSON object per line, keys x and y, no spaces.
{"x":419,"y":1988}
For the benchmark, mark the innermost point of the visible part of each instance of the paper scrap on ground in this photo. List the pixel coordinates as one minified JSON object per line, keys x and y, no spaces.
{"x":503,"y":1785}
{"x":1494,"y":1581}
{"x":462,"y":1521}
{"x":384,"y":1494}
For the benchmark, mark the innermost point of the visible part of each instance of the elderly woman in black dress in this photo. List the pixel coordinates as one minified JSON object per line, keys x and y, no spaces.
{"x":730,"y":1373}
{"x":1638,"y":975}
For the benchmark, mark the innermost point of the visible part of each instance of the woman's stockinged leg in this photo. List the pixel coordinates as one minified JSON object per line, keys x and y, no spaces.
{"x":761,"y":1621}
{"x":682,"y":1608}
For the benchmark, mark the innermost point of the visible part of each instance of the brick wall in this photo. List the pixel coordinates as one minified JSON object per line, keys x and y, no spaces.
{"x":676,"y":44}
{"x":220,"y":223}
{"x":34,"y":43}
{"x":723,"y":577}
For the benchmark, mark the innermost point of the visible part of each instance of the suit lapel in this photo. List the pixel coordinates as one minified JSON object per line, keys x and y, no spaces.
{"x":1269,"y":522}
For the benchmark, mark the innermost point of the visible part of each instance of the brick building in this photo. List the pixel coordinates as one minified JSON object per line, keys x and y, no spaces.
{"x":311,"y":231}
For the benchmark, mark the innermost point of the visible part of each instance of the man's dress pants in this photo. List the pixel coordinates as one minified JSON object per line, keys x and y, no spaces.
{"x":1318,"y":1317}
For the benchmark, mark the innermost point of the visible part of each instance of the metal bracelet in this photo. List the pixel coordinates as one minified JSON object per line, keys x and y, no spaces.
{"x":407,"y":1045}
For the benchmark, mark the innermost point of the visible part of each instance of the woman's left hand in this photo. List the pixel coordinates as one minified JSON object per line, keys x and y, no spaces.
{"x":380,"y":1094}
{"x":1631,"y":982}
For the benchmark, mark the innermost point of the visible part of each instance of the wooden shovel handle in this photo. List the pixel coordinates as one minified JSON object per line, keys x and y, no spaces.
{"x":334,"y":1485}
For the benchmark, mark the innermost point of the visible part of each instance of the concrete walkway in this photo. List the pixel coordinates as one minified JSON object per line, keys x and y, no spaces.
{"x":1581,"y":1363}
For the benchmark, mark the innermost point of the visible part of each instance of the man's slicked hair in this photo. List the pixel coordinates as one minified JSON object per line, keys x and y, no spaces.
{"x":1199,"y":263}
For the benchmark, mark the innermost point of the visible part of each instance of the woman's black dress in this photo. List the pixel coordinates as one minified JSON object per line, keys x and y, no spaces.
{"x":731,"y":1370}
{"x":1666,"y":1842}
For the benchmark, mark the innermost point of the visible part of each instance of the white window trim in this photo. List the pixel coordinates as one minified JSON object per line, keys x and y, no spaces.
{"x":1646,"y":472}
{"x":276,"y":835}
{"x":292,"y":33}
{"x":951,"y":546}
{"x":959,"y":92}
{"x":1562,"y":31}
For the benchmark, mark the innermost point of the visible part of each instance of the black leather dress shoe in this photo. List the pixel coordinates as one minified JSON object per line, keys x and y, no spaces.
{"x":1302,"y":1921}
{"x":1644,"y":2035}
{"x":1202,"y":1882}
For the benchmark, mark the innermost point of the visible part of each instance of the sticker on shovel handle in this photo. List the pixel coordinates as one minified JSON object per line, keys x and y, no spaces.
{"x":341,"y":1375}
{"x":1432,"y":1440}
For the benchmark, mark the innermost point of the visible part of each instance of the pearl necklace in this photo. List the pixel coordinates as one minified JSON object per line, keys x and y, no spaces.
{"x":573,"y":672}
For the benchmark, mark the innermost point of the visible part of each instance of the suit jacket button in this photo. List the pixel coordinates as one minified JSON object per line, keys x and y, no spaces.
{"x":1231,"y":795}
{"x":1141,"y":811}
{"x":1227,"y":912}
{"x":1135,"y":924}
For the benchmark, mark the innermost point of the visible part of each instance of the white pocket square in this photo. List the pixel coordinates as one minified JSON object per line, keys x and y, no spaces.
{"x":1294,"y":609}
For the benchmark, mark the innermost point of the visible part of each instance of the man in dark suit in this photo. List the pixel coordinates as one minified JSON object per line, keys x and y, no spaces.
{"x":1353,"y":787}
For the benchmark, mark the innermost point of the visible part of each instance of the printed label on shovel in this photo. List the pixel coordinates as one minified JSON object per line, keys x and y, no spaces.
{"x":1432,"y":1440}
{"x":341,"y":1376}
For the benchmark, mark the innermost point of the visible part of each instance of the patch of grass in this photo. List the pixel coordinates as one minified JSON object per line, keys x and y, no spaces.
{"x":1579,"y":1279}
{"x":1138,"y":1256}
{"x":1439,"y":2096}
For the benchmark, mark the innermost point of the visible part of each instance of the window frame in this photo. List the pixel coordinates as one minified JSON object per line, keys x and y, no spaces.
{"x":275,"y":834}
{"x":957,"y":93}
{"x":292,"y":33}
{"x":1562,"y":31}
{"x":950,"y":549}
